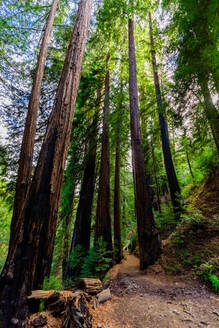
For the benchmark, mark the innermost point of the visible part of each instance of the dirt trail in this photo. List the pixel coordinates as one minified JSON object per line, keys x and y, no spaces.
{"x":153,"y":299}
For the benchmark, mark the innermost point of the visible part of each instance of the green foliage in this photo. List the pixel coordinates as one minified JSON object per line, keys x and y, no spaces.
{"x":190,"y":223}
{"x":215,"y":282}
{"x":165,"y":220}
{"x":52,"y":283}
{"x":98,"y":261}
{"x":5,"y":219}
{"x":76,"y":261}
{"x":208,"y":272}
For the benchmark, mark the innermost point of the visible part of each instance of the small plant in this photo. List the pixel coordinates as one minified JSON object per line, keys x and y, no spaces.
{"x":215,"y":282}
{"x":188,"y":226}
{"x":97,"y":262}
{"x":52,"y":283}
{"x":193,"y":221}
{"x":165,"y":221}
{"x":206,"y":271}
{"x":76,"y":261}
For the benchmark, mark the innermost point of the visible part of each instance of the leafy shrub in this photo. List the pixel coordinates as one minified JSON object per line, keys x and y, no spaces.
{"x":207,"y":160}
{"x":76,"y":261}
{"x":52,"y":283}
{"x":206,"y":271}
{"x":165,"y":221}
{"x":5,"y":219}
{"x":97,"y":262}
{"x":189,"y":224}
{"x":215,"y":282}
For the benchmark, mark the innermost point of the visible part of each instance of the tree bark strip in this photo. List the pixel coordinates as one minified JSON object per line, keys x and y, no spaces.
{"x":103,"y":218}
{"x":27,"y":147}
{"x":149,"y":240}
{"x":189,"y":164}
{"x":117,"y":199}
{"x":82,"y":228}
{"x":32,"y":256}
{"x":156,"y":178}
{"x":170,"y":171}
{"x":73,"y":177}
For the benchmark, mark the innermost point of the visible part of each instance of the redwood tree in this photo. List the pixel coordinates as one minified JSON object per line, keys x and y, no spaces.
{"x":148,"y":236}
{"x":103,"y":218}
{"x":82,"y":227}
{"x":170,"y":170}
{"x":31,"y":259}
{"x":117,"y":199}
{"x":27,"y":147}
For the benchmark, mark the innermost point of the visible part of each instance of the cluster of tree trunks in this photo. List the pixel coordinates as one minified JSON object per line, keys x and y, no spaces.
{"x":82,"y":227}
{"x":117,"y":199}
{"x":103,"y":218}
{"x":170,"y":170}
{"x":148,"y":236}
{"x":28,"y":264}
{"x":27,"y":147}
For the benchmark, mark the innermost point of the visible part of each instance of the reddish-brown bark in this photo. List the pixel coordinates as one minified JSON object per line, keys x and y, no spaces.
{"x":31,"y":259}
{"x":148,"y":236}
{"x":103,"y":218}
{"x":27,"y":147}
{"x":170,"y":170}
{"x":82,"y":228}
{"x":117,"y":199}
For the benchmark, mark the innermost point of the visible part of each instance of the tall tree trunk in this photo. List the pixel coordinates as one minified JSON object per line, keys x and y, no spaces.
{"x":103,"y":218}
{"x":32,"y":256}
{"x":170,"y":171}
{"x":156,"y":178}
{"x":73,"y":177}
{"x":27,"y":147}
{"x":189,"y":164}
{"x":117,"y":210}
{"x":67,"y":219}
{"x":149,"y":239}
{"x":211,"y":112}
{"x":82,"y":228}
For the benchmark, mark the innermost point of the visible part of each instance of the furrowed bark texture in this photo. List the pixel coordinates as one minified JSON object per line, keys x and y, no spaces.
{"x":27,"y":147}
{"x":82,"y":228}
{"x":156,"y":178}
{"x":170,"y":171}
{"x":32,"y":257}
{"x":117,"y":209}
{"x":148,"y":236}
{"x":103,"y":219}
{"x":73,"y":177}
{"x":67,"y":219}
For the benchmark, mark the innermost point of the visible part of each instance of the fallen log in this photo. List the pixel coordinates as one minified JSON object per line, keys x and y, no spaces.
{"x":90,"y":285}
{"x":40,"y":294}
{"x":63,"y":309}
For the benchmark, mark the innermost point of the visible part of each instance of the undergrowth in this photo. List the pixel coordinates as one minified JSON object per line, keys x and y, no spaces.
{"x":188,"y":249}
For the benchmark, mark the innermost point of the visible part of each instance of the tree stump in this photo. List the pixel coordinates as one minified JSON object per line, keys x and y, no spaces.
{"x":90,"y":286}
{"x":63,"y":309}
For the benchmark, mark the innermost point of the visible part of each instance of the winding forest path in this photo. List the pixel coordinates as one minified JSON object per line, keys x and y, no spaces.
{"x":152,"y":299}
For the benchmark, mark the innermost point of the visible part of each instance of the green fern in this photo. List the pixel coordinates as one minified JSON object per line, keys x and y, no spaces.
{"x":97,"y":262}
{"x":215,"y":282}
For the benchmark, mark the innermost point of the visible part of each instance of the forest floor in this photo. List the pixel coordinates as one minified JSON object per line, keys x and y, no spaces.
{"x":152,"y":299}
{"x":166,"y":295}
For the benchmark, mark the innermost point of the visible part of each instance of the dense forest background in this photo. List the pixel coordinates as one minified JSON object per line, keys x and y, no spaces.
{"x":174,"y":106}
